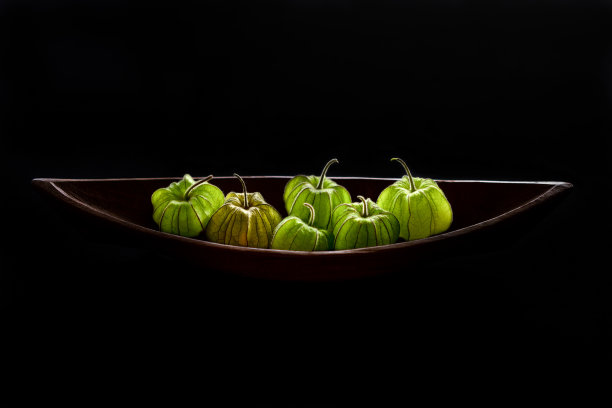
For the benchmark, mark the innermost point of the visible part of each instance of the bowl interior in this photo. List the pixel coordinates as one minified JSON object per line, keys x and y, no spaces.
{"x":472,"y":201}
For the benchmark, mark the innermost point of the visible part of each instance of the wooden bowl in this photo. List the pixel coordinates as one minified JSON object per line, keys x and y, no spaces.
{"x":487,"y":214}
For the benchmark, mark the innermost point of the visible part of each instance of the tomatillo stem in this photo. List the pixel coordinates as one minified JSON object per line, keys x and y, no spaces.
{"x":246,"y":198}
{"x":190,"y":189}
{"x":412,"y":186}
{"x":312,"y":214}
{"x":324,"y":172}
{"x":364,"y":213}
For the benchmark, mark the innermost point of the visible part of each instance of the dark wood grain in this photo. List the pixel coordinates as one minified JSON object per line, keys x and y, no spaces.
{"x":486,"y":214}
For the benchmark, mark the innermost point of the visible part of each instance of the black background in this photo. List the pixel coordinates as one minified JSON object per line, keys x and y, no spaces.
{"x":459,"y":89}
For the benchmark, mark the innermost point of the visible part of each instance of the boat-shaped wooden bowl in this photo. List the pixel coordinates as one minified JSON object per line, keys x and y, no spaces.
{"x":486,"y":214}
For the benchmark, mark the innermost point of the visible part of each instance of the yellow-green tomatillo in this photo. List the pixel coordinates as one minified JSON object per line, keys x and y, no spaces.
{"x":294,"y":234}
{"x":244,"y":219}
{"x":322,"y":193}
{"x":364,"y":224}
{"x":185,"y":207}
{"x":419,"y":204}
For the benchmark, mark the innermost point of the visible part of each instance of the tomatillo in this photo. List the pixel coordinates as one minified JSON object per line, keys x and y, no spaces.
{"x":185,"y":207}
{"x":322,"y":193}
{"x":419,"y":204}
{"x":244,"y":219}
{"x":364,"y":224}
{"x":294,"y":234}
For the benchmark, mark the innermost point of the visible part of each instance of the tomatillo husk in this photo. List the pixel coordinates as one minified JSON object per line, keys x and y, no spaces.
{"x":244,"y":219}
{"x":185,"y":207}
{"x":363,"y":224}
{"x":294,"y":234}
{"x":419,"y":204}
{"x":321,"y":192}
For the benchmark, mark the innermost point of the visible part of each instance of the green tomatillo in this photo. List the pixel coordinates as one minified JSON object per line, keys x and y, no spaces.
{"x":364,"y":224}
{"x":322,"y":193}
{"x":185,"y":207}
{"x":294,"y":234}
{"x":244,"y":219}
{"x":419,"y":204}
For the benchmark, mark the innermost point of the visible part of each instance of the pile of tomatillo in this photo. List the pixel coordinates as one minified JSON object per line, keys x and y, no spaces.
{"x":321,"y":214}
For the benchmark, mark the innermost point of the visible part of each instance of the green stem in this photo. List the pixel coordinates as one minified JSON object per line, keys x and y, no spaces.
{"x":312,"y":214}
{"x":246,"y":198}
{"x":364,"y":213}
{"x":324,"y":172}
{"x":412,"y":186}
{"x":190,"y":189}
